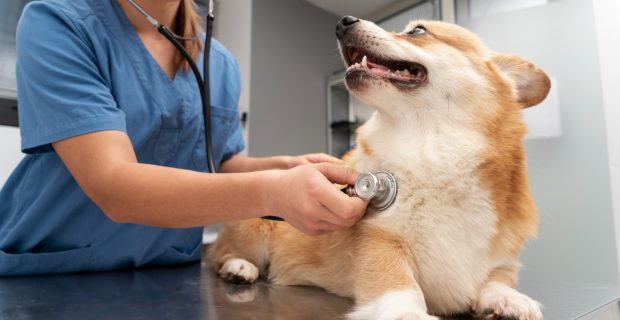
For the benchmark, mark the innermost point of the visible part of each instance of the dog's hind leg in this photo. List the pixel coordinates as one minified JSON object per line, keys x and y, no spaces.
{"x":498,"y":298}
{"x":241,"y":252}
{"x":385,"y":284}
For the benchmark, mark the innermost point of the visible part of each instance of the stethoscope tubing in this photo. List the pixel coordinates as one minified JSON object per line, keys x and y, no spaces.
{"x":206,"y":90}
{"x":203,"y":85}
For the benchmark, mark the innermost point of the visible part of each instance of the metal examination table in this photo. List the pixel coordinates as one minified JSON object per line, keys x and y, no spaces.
{"x":194,"y":292}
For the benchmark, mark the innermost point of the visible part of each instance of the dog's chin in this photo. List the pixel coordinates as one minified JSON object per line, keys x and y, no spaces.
{"x":359,"y":80}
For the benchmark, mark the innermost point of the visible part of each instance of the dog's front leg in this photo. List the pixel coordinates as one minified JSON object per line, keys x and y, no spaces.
{"x":385,"y":287}
{"x":499,"y":299}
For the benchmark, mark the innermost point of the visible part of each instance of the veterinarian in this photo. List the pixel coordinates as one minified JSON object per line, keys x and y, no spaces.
{"x":114,"y":175}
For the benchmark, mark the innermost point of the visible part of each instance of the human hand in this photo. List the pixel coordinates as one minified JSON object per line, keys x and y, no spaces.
{"x":307,"y":199}
{"x":311,"y":158}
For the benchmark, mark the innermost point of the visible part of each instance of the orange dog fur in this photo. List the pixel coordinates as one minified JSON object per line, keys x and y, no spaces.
{"x":450,"y":129}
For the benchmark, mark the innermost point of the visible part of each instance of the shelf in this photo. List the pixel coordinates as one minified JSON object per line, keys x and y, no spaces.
{"x":8,"y":112}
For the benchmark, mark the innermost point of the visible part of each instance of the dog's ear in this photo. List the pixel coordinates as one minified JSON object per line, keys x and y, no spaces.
{"x":531,"y":83}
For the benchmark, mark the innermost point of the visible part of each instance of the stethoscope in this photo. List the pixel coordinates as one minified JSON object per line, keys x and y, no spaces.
{"x":203,"y":86}
{"x":379,"y":188}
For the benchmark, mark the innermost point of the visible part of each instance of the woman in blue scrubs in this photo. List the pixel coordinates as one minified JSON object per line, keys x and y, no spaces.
{"x":114,"y":175}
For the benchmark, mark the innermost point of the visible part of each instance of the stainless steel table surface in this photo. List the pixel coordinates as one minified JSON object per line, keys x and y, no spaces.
{"x":194,"y":292}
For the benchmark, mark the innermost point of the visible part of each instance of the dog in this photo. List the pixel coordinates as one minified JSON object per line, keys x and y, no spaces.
{"x":448,"y":126}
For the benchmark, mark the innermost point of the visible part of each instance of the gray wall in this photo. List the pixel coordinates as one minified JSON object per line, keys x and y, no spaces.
{"x":233,"y":27}
{"x":293,"y":53}
{"x":570,"y":174}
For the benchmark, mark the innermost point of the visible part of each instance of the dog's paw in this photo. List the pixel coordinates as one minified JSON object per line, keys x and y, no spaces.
{"x":394,"y":305}
{"x":499,"y":301}
{"x":238,"y":270}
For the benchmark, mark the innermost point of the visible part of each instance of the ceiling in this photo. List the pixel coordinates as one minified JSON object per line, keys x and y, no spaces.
{"x":356,"y":8}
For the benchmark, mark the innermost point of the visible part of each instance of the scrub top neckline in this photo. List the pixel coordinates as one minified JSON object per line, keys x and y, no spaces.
{"x":137,"y":40}
{"x":139,"y":56}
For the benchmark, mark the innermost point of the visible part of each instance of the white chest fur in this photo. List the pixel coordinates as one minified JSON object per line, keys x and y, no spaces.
{"x":442,"y":211}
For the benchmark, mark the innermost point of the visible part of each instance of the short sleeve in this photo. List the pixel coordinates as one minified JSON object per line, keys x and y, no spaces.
{"x":235,"y":143}
{"x":232,"y":90}
{"x":61,"y":90}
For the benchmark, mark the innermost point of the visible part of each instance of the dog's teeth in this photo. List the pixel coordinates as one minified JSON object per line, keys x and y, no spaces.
{"x":403,"y":73}
{"x":364,"y":62}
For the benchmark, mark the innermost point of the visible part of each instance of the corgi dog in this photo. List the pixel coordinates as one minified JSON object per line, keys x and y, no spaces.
{"x":448,"y":126}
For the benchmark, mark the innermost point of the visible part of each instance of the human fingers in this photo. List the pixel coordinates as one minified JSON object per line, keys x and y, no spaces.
{"x":306,"y":198}
{"x":316,"y":227}
{"x":335,"y":206}
{"x":321,"y":157}
{"x":325,"y":226}
{"x":338,"y":173}
{"x":343,"y":210}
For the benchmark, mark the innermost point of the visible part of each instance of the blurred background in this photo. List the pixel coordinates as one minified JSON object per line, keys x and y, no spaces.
{"x":293,"y":101}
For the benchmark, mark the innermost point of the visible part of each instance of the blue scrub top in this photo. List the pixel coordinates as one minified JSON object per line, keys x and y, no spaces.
{"x":81,"y":68}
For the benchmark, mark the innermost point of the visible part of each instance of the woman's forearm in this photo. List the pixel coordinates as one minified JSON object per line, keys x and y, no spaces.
{"x":240,"y":163}
{"x":246,"y":164}
{"x":105,"y":166}
{"x":169,"y":197}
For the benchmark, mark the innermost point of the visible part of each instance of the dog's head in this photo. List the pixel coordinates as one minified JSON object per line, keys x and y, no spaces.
{"x":434,"y":66}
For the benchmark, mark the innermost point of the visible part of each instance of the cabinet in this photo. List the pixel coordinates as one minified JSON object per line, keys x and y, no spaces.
{"x":345,"y":114}
{"x":10,"y":11}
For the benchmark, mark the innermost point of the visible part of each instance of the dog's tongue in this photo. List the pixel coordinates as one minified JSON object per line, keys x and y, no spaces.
{"x":372,"y":65}
{"x":378,"y":69}
{"x":383,"y":71}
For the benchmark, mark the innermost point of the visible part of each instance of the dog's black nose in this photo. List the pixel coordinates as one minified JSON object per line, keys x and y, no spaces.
{"x":344,"y":24}
{"x":348,"y":20}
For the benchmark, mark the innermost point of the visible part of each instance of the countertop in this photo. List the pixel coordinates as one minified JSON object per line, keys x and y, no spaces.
{"x":195,"y":292}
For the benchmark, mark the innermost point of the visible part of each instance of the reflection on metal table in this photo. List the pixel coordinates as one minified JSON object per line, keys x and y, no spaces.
{"x":195,"y":292}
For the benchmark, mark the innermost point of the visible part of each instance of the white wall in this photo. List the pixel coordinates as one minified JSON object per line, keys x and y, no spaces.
{"x":10,"y":152}
{"x":569,"y":174}
{"x":607,"y":18}
{"x":427,"y":10}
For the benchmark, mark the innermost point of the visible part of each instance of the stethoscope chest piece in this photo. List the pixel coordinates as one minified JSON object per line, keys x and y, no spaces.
{"x":378,"y":187}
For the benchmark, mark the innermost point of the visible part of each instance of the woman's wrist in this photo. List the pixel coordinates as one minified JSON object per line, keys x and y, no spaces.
{"x":269,"y":181}
{"x":249,"y":164}
{"x":273,"y":163}
{"x":284,"y":162}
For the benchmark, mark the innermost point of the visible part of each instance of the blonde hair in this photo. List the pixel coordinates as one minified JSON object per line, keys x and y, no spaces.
{"x":188,"y":25}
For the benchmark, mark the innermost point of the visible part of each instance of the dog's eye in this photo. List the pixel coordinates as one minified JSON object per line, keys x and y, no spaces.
{"x":417,"y":31}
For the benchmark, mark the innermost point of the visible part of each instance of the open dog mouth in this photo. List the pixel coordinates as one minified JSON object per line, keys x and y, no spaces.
{"x":398,"y":71}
